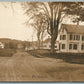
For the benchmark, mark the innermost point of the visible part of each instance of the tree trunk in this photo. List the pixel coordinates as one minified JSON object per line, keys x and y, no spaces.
{"x":38,"y":43}
{"x":52,"y":45}
{"x":54,"y":23}
{"x":42,"y":39}
{"x":53,"y":39}
{"x":38,"y":36}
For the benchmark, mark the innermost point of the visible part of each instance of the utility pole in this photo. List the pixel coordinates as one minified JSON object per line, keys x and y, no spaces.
{"x":32,"y":42}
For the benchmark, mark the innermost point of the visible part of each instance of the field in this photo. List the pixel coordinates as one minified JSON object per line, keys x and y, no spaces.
{"x":41,"y":66}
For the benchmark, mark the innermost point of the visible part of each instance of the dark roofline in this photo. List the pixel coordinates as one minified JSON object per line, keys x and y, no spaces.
{"x":75,"y":26}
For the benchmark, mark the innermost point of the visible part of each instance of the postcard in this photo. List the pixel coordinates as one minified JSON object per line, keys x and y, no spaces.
{"x":41,"y":41}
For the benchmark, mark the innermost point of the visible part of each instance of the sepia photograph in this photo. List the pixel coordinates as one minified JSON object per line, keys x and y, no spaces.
{"x":41,"y":41}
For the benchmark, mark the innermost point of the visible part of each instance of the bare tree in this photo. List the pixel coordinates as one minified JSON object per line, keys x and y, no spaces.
{"x":39,"y":24}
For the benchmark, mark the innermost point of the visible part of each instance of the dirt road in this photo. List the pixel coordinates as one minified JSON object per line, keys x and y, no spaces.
{"x":24,"y":67}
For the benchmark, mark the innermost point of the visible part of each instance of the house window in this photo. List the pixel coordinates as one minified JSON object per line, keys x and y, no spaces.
{"x":62,"y":30}
{"x":64,"y":37}
{"x":60,"y":37}
{"x":75,"y":46}
{"x":55,"y":46}
{"x":71,"y":37}
{"x":82,"y":38}
{"x":77,"y":37}
{"x":82,"y":47}
{"x":63,"y":46}
{"x":74,"y":37}
{"x":70,"y":46}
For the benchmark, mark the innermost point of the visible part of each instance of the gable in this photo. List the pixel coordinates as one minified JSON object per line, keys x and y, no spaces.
{"x":63,"y":31}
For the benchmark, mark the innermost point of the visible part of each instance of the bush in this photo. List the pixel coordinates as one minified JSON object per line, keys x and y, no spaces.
{"x":6,"y":52}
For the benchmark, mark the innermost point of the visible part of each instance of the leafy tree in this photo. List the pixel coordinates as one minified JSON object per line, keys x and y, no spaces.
{"x":6,"y":45}
{"x":12,"y":45}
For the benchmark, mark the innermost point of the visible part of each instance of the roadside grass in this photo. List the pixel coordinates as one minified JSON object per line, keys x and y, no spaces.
{"x":77,"y":58}
{"x":6,"y":52}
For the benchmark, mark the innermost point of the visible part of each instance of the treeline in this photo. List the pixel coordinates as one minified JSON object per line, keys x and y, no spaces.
{"x":14,"y":44}
{"x":11,"y":45}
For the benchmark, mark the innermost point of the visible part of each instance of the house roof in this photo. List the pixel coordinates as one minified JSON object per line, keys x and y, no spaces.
{"x":77,"y":29}
{"x":47,"y":40}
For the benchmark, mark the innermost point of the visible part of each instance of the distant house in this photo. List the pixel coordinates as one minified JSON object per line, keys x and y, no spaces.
{"x":26,"y":48}
{"x":33,"y":46}
{"x":47,"y":44}
{"x":1,"y":45}
{"x":20,"y":46}
{"x":71,"y":38}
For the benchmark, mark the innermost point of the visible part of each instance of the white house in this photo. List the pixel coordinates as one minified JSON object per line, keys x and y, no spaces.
{"x":47,"y":44}
{"x":71,"y":38}
{"x":1,"y":45}
{"x":20,"y":46}
{"x":33,"y":46}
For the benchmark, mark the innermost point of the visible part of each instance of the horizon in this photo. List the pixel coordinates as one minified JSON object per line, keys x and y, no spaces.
{"x":14,"y":39}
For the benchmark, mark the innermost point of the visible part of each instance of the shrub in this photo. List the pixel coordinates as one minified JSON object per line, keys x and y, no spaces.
{"x":6,"y":52}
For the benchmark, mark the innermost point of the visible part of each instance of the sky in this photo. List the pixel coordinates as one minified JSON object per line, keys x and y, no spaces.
{"x":12,"y":23}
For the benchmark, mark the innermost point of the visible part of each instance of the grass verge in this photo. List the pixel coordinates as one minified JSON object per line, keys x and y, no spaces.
{"x":67,"y":57}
